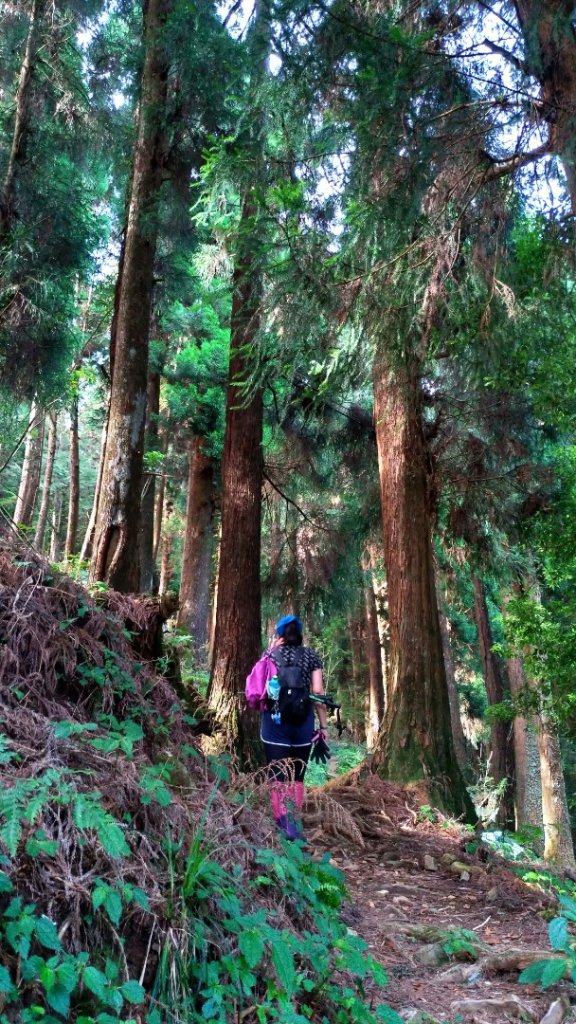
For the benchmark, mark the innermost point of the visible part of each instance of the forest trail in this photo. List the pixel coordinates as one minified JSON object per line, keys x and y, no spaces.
{"x":407,"y":902}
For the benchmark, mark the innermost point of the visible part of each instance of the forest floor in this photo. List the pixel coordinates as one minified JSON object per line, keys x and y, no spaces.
{"x":452,"y":929}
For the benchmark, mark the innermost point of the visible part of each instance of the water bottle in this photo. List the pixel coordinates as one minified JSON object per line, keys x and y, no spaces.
{"x":273,"y":687}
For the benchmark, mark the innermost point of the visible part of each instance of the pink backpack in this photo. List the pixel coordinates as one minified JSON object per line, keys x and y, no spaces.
{"x":263,"y":670}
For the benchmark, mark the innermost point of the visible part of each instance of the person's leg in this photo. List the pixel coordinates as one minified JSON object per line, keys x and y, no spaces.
{"x":276,"y":756}
{"x":296,"y":791}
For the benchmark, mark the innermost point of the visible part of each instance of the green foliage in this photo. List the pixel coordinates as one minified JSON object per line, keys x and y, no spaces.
{"x":290,"y":974}
{"x":562,"y":937}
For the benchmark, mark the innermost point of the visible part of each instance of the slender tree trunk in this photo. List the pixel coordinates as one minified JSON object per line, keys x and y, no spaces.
{"x":21,"y":117}
{"x":457,"y":730}
{"x":87,"y":543}
{"x":359,"y":673}
{"x":214,"y":604}
{"x":31,"y":467}
{"x":55,"y":527}
{"x":116,"y":548}
{"x":237,"y":636}
{"x":380,"y":587}
{"x":159,"y":496}
{"x":47,"y":484}
{"x":147,"y":559}
{"x":74,"y":483}
{"x":415,"y":744}
{"x":373,"y":659}
{"x":197,"y":555}
{"x":501,"y":765}
{"x":528,"y":788}
{"x":166,"y":569}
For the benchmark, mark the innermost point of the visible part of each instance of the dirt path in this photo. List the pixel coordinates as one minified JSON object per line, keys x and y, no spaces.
{"x":453,"y":929}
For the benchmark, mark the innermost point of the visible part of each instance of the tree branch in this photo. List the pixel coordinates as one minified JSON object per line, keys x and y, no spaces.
{"x":317,"y":526}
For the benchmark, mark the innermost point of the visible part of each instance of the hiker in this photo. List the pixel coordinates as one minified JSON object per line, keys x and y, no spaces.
{"x":287,"y":730}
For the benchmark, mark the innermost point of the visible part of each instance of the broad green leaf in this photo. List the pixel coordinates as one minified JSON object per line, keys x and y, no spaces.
{"x":554,"y":970}
{"x":533,"y":972}
{"x":5,"y":883}
{"x":141,"y":898}
{"x":59,"y":999}
{"x":284,"y":965}
{"x":96,"y":982}
{"x":251,"y":946}
{"x":112,"y":838}
{"x":558,"y":932}
{"x":569,"y":906}
{"x":47,"y":934}
{"x":5,"y":980}
{"x":47,"y":977}
{"x":66,"y":976}
{"x":113,"y":906}
{"x":133,"y":992}
{"x":388,"y":1015}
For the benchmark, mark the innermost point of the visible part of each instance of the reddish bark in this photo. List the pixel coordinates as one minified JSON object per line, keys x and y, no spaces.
{"x":197,"y":555}
{"x":237,"y":634}
{"x":116,"y":548}
{"x":416,"y":741}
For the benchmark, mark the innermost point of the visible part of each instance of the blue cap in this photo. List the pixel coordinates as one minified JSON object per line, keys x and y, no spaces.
{"x":285,"y":621}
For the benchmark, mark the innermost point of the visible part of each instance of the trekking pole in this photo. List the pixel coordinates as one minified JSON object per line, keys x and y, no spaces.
{"x":331,"y":704}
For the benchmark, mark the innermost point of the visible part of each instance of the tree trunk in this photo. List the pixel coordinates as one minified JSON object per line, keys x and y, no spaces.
{"x":47,"y":484}
{"x":147,"y":559}
{"x":373,"y":659}
{"x":415,"y":744}
{"x":457,"y":730}
{"x":88,"y":542}
{"x":558,"y":846}
{"x":237,"y":636}
{"x":358,"y":680}
{"x":166,"y":570}
{"x":21,"y":118}
{"x":55,"y":527}
{"x":528,"y":787}
{"x":501,"y":764}
{"x":159,"y":496}
{"x":31,"y":468}
{"x":197,"y":556}
{"x":116,"y":548}
{"x":73,"y":483}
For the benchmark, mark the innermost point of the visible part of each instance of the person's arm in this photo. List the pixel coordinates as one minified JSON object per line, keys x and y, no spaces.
{"x":318,"y":688}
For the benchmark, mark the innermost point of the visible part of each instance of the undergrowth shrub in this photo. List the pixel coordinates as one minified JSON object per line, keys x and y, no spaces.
{"x":132,"y":886}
